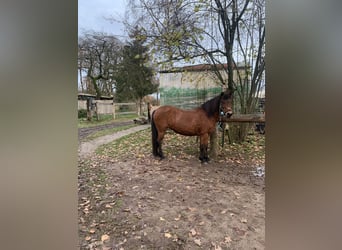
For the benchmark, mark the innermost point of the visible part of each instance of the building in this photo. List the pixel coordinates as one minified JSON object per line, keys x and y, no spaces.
{"x":189,"y":86}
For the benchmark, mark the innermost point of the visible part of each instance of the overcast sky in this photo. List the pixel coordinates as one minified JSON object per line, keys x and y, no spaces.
{"x":92,"y":13}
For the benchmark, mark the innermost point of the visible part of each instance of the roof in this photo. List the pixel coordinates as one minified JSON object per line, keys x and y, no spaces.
{"x":198,"y":67}
{"x":86,"y":95}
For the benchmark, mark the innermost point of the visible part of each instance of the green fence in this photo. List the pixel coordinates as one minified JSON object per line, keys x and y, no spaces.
{"x":187,"y":98}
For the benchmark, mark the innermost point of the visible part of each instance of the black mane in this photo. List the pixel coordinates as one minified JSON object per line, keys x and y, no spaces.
{"x":212,"y":106}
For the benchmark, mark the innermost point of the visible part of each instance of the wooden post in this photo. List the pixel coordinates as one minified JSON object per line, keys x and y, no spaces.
{"x":97,"y":111}
{"x":244,"y":118}
{"x":89,"y":111}
{"x":148,"y":112}
{"x":113,"y":110}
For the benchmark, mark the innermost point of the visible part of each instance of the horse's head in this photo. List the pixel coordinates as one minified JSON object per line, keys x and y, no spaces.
{"x":226,"y":103}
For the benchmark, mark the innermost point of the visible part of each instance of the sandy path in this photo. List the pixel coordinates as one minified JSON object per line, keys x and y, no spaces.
{"x":85,"y":149}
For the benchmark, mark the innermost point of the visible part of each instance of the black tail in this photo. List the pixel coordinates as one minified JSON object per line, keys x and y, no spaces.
{"x":155,"y":143}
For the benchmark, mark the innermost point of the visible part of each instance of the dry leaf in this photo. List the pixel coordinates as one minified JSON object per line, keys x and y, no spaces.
{"x":104,"y":237}
{"x":193,"y":232}
{"x":192,"y":209}
{"x":178,"y":218}
{"x":216,"y":247}
{"x":87,"y":238}
{"x":92,"y":231}
{"x":161,"y":218}
{"x":227,"y":239}
{"x":201,"y":223}
{"x":244,"y":220}
{"x":168,"y":235}
{"x":198,"y":242}
{"x":223,"y":211}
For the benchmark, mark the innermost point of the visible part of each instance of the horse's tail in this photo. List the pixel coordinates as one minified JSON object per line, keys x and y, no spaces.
{"x":154,"y":137}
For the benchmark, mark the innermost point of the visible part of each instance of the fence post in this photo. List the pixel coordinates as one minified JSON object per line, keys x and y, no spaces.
{"x":97,"y":111}
{"x":113,"y":110}
{"x":89,"y":109}
{"x":148,"y":112}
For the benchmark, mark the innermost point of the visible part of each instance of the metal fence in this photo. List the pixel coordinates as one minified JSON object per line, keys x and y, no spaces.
{"x":187,"y":98}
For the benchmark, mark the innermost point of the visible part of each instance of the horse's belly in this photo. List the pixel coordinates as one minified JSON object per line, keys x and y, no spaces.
{"x":186,"y":132}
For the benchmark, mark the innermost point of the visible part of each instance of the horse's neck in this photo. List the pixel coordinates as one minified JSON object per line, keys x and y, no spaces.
{"x":212,"y":108}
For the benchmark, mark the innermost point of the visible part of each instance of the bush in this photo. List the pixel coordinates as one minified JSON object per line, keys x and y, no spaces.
{"x":82,"y":113}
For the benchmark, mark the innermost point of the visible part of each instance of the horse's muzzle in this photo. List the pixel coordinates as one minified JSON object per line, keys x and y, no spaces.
{"x":229,"y":114}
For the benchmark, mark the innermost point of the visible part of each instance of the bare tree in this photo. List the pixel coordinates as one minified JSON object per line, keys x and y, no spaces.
{"x":229,"y":33}
{"x":98,"y":56}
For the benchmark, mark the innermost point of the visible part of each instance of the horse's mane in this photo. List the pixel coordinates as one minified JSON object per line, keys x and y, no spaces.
{"x":212,"y":106}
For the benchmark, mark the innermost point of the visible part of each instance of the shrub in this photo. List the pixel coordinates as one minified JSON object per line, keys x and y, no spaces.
{"x":82,"y":113}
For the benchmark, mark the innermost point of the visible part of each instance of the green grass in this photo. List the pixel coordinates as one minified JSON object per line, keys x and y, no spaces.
{"x":105,"y":119}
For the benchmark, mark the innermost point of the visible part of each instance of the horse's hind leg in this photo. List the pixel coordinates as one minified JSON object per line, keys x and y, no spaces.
{"x":159,"y":141}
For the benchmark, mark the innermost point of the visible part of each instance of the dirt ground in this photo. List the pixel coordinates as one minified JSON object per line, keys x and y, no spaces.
{"x":139,"y":202}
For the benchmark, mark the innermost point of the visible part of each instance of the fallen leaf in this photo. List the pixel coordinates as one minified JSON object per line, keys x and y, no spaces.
{"x":201,"y":223}
{"x":193,"y":232}
{"x":167,"y":235}
{"x":236,"y":194}
{"x":216,"y":247}
{"x":178,"y":218}
{"x":87,"y":238}
{"x":92,"y":231}
{"x":244,"y":220}
{"x":192,"y":209}
{"x":161,"y":218}
{"x":198,"y":242}
{"x":227,"y":239}
{"x":104,"y":237}
{"x":223,"y":211}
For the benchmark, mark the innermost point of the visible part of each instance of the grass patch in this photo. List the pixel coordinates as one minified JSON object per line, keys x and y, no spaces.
{"x":104,"y":119}
{"x":108,"y":132}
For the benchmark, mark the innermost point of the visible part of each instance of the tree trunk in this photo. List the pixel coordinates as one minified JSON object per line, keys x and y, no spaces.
{"x":238,"y":132}
{"x":140,"y":106}
{"x":213,"y":145}
{"x":89,"y":110}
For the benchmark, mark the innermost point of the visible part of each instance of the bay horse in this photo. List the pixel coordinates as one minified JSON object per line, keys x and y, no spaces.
{"x":200,"y":121}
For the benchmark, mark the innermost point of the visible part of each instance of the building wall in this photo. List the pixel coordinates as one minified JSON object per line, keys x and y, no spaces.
{"x":188,"y":89}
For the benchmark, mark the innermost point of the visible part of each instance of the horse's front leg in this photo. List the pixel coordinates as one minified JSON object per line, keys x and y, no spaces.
{"x":204,"y":148}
